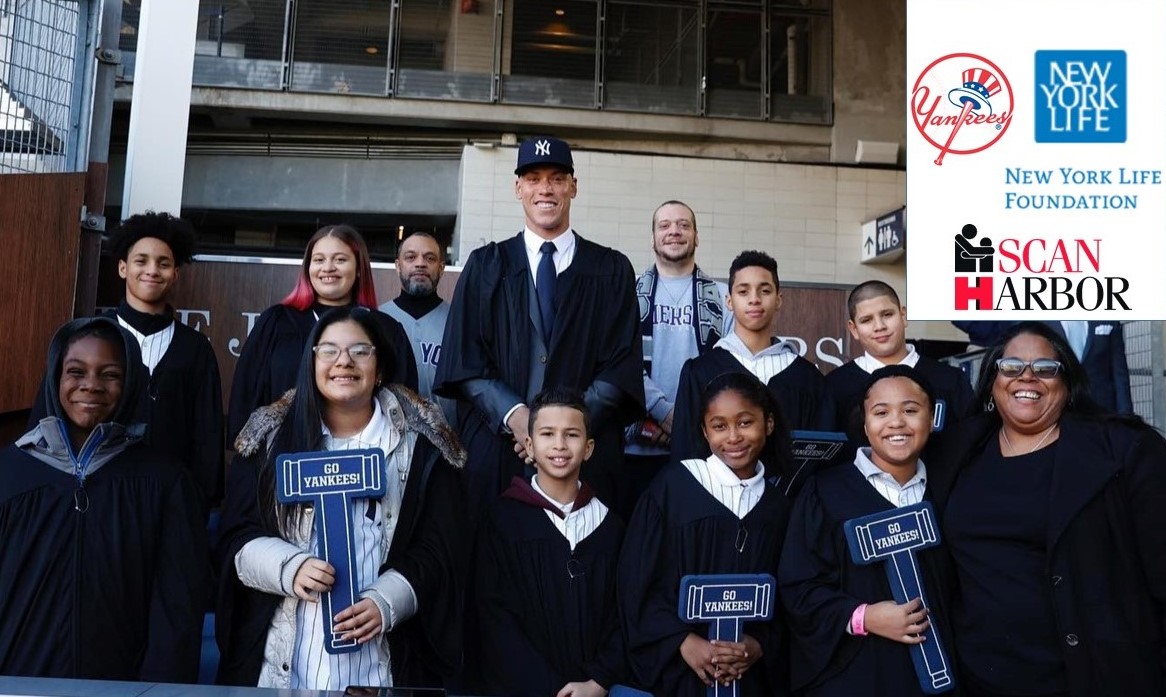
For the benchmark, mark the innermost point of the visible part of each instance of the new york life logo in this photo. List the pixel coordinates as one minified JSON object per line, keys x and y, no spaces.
{"x":1080,"y":97}
{"x":1047,"y":274}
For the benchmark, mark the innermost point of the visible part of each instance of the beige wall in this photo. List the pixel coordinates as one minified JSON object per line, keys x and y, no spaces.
{"x":469,"y":44}
{"x":870,"y":61}
{"x":808,"y":216}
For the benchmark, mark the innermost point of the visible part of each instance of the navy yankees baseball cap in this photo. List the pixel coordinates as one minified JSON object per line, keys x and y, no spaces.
{"x":544,"y":150}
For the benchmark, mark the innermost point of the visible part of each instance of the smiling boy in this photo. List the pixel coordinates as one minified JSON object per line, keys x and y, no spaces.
{"x":547,"y":553}
{"x":879,"y":323}
{"x":184,"y":411}
{"x":795,"y":383}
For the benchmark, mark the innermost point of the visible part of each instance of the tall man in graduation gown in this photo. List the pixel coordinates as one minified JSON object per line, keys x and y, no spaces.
{"x":543,"y":308}
{"x":421,"y":311}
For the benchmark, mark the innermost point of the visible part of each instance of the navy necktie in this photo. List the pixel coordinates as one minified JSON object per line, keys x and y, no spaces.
{"x":545,"y":286}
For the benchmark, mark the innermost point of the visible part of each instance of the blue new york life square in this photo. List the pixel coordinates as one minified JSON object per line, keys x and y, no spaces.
{"x":1080,"y":97}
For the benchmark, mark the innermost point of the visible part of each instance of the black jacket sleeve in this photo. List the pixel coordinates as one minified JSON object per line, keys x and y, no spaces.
{"x":430,"y":552}
{"x":178,"y":599}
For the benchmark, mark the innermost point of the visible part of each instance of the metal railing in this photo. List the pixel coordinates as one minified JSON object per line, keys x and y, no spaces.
{"x":701,"y":57}
{"x":46,"y":84}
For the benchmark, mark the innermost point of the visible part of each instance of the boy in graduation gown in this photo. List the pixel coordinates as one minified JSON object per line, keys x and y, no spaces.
{"x":795,"y":383}
{"x":547,"y":555}
{"x":879,"y":323}
{"x":183,"y":405}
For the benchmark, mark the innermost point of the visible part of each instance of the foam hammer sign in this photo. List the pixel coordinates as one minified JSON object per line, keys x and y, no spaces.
{"x":330,"y":481}
{"x":892,"y":538}
{"x":725,"y":601}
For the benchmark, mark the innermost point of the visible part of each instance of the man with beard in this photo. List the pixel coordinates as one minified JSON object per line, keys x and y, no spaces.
{"x":681,"y":317}
{"x":421,"y":311}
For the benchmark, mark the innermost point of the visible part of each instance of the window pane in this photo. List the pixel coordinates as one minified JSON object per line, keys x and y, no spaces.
{"x":341,"y":46}
{"x":734,"y":63}
{"x":446,"y":49}
{"x":652,"y":57}
{"x":800,"y":60}
{"x":551,"y":56}
{"x":239,"y":43}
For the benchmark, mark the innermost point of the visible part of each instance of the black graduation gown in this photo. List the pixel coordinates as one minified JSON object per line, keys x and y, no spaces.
{"x":184,"y":410}
{"x":111,"y":593}
{"x":799,"y":390}
{"x":679,"y":528}
{"x":1107,"y":531}
{"x":543,"y":624}
{"x":270,"y":359}
{"x":820,"y":587}
{"x":595,"y":344}
{"x":847,"y":381}
{"x":427,"y":549}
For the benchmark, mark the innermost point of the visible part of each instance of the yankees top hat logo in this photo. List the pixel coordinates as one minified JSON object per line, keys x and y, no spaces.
{"x":976,"y":112}
{"x":979,"y":86}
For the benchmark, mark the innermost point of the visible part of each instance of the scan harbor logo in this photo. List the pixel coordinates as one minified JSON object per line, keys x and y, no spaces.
{"x":1047,"y":274}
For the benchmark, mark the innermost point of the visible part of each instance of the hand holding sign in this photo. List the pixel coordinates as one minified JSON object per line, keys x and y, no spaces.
{"x":905,"y":623}
{"x":892,"y":538}
{"x":725,"y":600}
{"x":330,"y":480}
{"x":315,"y":576}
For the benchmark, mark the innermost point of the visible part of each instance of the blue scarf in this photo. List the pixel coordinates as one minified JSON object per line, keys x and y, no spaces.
{"x":706,"y":302}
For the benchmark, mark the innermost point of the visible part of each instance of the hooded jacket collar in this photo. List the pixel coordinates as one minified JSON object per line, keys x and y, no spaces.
{"x":48,"y":441}
{"x":520,"y":490}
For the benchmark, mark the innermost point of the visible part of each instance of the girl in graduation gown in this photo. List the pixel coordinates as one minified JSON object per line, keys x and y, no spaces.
{"x":408,"y":545}
{"x":335,"y":272}
{"x":103,"y":558}
{"x":849,"y":636}
{"x":719,"y":515}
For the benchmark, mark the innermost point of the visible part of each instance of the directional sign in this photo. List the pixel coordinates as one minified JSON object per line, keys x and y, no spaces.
{"x":331,"y":480}
{"x":885,"y":238}
{"x":813,"y":450}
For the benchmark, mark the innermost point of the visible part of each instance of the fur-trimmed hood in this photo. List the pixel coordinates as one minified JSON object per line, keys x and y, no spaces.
{"x":404,"y":408}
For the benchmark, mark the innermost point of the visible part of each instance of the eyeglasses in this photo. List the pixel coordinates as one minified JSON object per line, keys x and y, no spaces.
{"x":330,"y":353}
{"x":1044,"y":368}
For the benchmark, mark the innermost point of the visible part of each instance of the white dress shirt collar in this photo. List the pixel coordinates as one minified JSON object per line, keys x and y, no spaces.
{"x":870,"y":364}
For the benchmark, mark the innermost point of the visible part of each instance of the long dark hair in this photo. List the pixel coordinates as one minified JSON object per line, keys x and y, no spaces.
{"x":776,"y":455}
{"x":301,"y":429}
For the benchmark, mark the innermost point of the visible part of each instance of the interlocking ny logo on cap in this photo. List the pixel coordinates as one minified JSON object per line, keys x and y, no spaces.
{"x":542,"y":147}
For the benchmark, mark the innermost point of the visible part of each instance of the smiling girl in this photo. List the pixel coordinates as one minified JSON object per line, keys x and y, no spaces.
{"x":849,"y":637}
{"x":335,"y":272}
{"x":407,"y":545}
{"x":718,"y":515}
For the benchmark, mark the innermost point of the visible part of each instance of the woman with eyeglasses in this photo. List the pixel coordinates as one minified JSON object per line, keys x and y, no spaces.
{"x":335,"y":272}
{"x":407,"y":545}
{"x":1055,"y":516}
